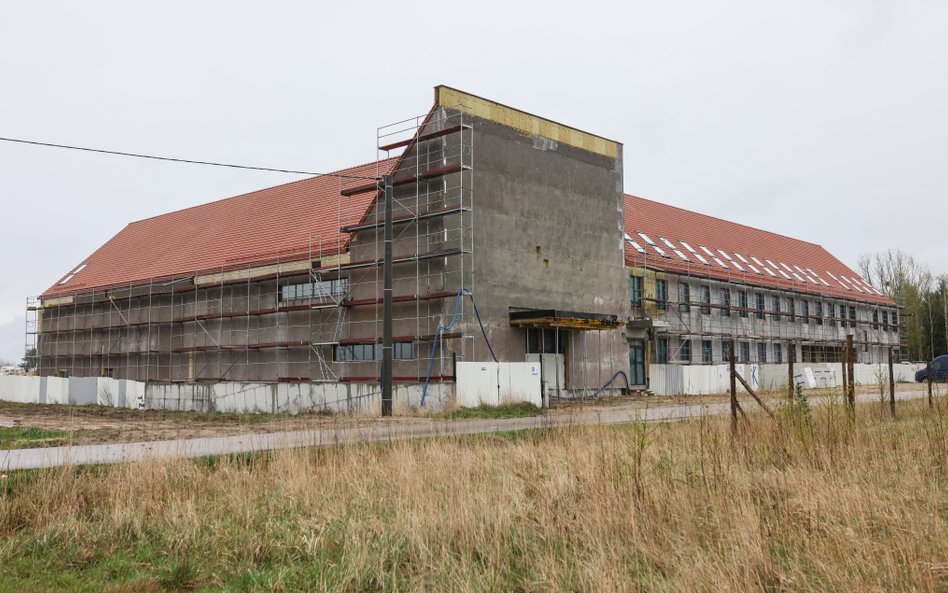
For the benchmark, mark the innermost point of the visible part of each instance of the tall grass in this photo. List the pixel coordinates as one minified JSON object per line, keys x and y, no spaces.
{"x":815,"y":502}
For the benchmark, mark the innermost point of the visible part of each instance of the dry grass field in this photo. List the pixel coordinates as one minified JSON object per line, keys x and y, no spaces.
{"x":815,"y":502}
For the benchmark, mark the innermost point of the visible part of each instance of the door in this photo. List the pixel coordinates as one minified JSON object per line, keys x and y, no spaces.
{"x":637,"y":362}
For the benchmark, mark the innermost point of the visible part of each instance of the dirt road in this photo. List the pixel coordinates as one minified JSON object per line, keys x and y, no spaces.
{"x":237,"y":435}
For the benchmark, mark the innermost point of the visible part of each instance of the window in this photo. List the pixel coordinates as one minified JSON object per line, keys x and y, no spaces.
{"x":661,"y":350}
{"x":831,"y":309}
{"x":842,"y":315}
{"x":684,"y":351}
{"x":852,"y":316}
{"x":361,"y":352}
{"x":778,"y":353}
{"x":819,"y":313}
{"x":706,"y":300}
{"x":775,"y":306}
{"x":318,"y":289}
{"x":742,"y":303}
{"x":895,"y":321}
{"x":745,"y":352}
{"x":661,"y":294}
{"x":791,"y":310}
{"x":759,"y":314}
{"x":546,"y":341}
{"x":885,"y":320}
{"x":805,"y":311}
{"x":635,"y":290}
{"x":726,"y":302}
{"x":761,"y":352}
{"x":875,"y":320}
{"x":684,"y":297}
{"x":706,"y":355}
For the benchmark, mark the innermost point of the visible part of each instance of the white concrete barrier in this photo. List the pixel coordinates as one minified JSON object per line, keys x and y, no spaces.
{"x":276,"y":398}
{"x":495,"y":383}
{"x":672,"y":379}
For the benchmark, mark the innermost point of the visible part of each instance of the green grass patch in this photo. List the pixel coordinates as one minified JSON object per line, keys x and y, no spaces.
{"x":25,"y":438}
{"x":518,"y":410}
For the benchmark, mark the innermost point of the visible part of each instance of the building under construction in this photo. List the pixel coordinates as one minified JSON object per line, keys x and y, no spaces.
{"x":513,"y":241}
{"x":285,"y":284}
{"x":697,"y":284}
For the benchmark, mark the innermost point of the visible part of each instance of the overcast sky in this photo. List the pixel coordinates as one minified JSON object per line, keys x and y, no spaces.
{"x":822,"y":120}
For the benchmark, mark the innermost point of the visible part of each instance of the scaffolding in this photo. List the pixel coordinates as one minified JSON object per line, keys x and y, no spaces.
{"x":817,"y":325}
{"x":312,"y":314}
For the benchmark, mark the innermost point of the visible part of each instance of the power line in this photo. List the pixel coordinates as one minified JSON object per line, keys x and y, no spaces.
{"x":188,"y":161}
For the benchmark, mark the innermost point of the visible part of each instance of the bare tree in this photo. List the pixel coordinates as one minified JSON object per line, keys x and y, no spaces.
{"x":891,"y":271}
{"x":909,"y":283}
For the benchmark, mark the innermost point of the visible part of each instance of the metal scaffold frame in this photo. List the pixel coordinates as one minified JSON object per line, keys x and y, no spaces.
{"x":284,"y":317}
{"x":826,"y":331}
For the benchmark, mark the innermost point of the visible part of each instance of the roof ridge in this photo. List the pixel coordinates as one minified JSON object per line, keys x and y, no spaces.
{"x":329,"y":174}
{"x":730,"y":222}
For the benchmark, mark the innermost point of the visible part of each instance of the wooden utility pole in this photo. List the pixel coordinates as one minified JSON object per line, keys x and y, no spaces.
{"x":928,"y":374}
{"x":733,"y":388}
{"x":851,"y":395}
{"x":844,"y":363}
{"x":891,"y":383}
{"x":387,"y":300}
{"x":791,"y":354}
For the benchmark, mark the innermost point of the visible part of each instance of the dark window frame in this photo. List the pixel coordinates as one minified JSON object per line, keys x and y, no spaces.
{"x":635,"y":291}
{"x":761,"y":303}
{"x":684,"y":297}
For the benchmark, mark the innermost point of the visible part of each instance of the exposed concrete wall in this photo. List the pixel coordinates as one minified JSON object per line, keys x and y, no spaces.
{"x":548,"y":235}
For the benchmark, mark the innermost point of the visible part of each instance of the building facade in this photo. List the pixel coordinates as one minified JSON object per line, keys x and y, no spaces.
{"x":285,"y":284}
{"x":513,"y":241}
{"x":698,"y":283}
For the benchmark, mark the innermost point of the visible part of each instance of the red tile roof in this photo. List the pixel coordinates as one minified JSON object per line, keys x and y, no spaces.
{"x":280,"y":223}
{"x":295,"y":220}
{"x":819,"y":272}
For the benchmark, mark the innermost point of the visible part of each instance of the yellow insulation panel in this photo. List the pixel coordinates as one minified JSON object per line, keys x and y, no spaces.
{"x":649,"y":292}
{"x":525,"y":122}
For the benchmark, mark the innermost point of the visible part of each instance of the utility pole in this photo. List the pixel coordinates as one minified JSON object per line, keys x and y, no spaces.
{"x":387,"y":300}
{"x":791,"y":354}
{"x":944,"y":305}
{"x":891,"y":383}
{"x":730,"y":356}
{"x":851,"y":395}
{"x":928,"y":375}
{"x":844,"y":358}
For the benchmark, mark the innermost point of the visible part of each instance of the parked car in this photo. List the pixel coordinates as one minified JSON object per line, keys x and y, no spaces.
{"x":939,"y":368}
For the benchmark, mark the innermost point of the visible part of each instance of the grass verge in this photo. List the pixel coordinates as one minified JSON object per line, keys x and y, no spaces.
{"x":515,"y":410}
{"x":812,"y":502}
{"x":23,"y":438}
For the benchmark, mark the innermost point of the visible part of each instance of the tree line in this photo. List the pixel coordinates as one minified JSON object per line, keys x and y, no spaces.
{"x":922,"y":298}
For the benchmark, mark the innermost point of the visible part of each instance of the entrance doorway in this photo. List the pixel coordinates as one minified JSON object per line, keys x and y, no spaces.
{"x":548,"y":347}
{"x":637,"y":362}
